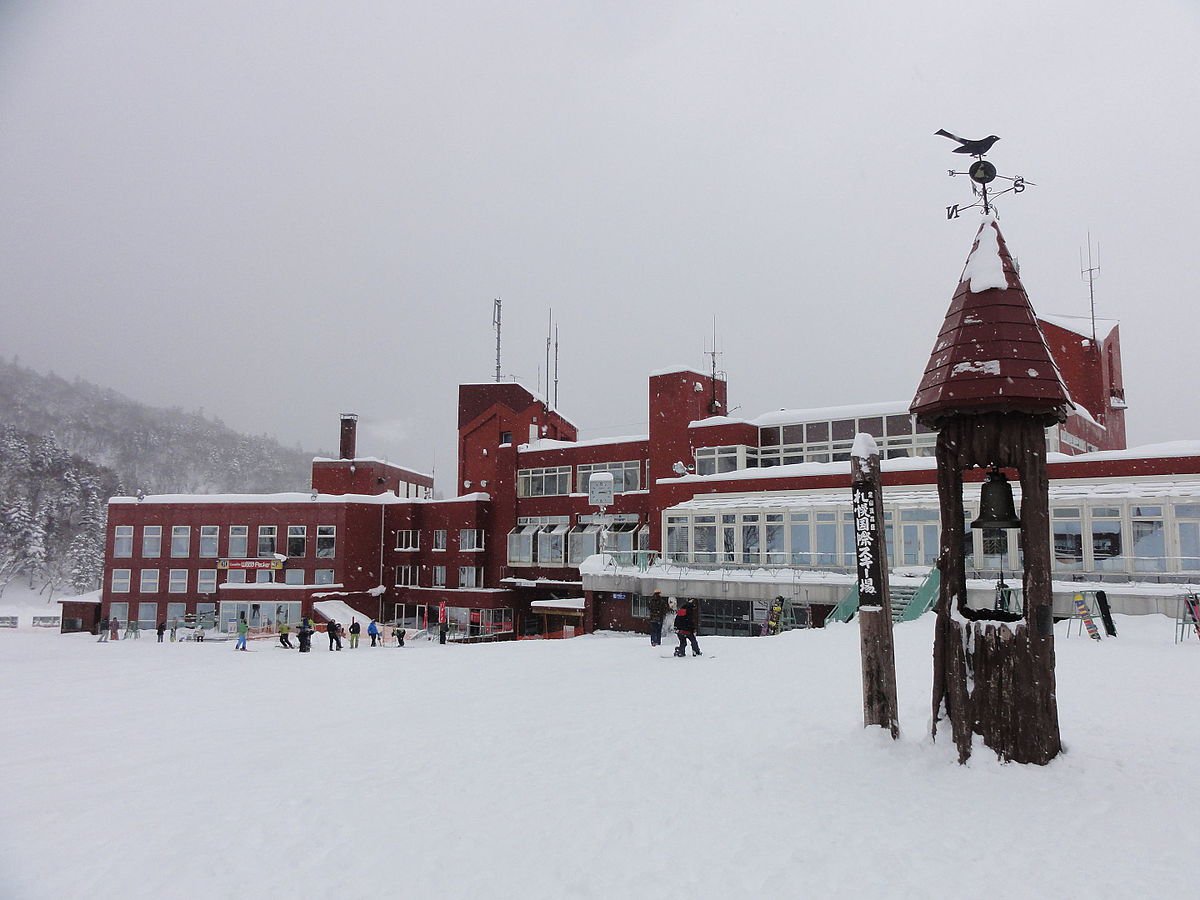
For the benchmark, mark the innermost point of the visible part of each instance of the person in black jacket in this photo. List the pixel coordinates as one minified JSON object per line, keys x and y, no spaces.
{"x":685,"y":627}
{"x":332,"y":629}
{"x":658,"y":612}
{"x":305,"y":635}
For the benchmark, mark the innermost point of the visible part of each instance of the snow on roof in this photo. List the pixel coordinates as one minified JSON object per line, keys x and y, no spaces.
{"x":89,"y":597}
{"x":291,"y":497}
{"x":371,"y":459}
{"x":552,"y":444}
{"x":338,"y":611}
{"x":1082,"y":325}
{"x":984,"y":268}
{"x":817,"y":414}
{"x":569,"y":603}
{"x":719,"y":420}
{"x":671,"y":370}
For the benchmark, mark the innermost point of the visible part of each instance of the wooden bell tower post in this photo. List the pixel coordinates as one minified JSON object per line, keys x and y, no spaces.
{"x":990,"y":390}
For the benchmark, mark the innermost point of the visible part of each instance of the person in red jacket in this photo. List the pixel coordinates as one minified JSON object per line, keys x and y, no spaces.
{"x":685,"y":627}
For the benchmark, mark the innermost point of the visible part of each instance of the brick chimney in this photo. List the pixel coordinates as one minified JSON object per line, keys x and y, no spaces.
{"x":349,"y":435}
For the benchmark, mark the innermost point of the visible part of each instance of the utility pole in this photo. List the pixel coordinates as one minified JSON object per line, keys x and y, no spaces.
{"x":496,"y":308}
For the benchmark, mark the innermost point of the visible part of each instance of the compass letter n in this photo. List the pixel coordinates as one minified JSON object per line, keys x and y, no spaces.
{"x":952,"y":211}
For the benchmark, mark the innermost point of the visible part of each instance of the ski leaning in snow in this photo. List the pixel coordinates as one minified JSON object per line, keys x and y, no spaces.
{"x":1086,"y":614}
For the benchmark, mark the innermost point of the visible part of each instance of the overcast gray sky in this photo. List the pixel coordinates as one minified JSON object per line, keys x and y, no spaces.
{"x":280,"y":210}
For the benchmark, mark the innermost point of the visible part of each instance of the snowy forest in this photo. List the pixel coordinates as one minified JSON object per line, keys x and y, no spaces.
{"x":67,"y":446}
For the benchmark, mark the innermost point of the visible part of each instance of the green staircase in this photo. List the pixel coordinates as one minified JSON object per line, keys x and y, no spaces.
{"x":908,"y":603}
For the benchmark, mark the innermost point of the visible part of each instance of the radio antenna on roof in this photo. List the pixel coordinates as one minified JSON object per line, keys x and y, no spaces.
{"x":496,"y":306}
{"x":1090,"y":274}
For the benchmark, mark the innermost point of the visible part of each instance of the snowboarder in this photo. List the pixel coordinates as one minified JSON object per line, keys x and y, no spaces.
{"x":103,"y":632}
{"x":162,"y":629}
{"x":399,"y":633}
{"x":373,"y":631}
{"x":685,"y":627}
{"x":355,"y":629}
{"x":334,"y":638}
{"x":658,"y":612}
{"x":243,"y":630}
{"x":284,"y":630}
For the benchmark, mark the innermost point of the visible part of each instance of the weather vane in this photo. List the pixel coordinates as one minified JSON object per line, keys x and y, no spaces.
{"x":981,"y":172}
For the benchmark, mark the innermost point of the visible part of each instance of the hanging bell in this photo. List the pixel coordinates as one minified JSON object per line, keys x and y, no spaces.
{"x":996,"y":508}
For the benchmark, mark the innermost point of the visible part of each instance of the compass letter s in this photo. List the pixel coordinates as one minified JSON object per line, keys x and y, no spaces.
{"x":1018,"y":184}
{"x":952,"y":211}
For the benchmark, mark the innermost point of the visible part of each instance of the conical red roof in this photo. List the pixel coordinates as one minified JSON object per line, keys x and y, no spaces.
{"x":990,"y":355}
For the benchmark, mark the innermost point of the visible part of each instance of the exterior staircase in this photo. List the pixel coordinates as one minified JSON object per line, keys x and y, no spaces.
{"x":908,"y":602}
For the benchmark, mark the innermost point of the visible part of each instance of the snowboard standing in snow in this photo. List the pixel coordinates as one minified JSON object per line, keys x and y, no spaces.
{"x":1106,"y":614}
{"x":1081,"y":608}
{"x":774,"y":617}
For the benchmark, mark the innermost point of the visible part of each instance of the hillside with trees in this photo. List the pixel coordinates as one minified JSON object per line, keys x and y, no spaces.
{"x":67,"y":446}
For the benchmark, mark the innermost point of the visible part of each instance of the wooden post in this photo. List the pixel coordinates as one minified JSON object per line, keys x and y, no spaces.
{"x":874,"y":595}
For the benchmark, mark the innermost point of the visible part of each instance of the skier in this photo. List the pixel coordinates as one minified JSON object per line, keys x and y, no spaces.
{"x":658,"y":611}
{"x":334,"y":638}
{"x":398,"y":633}
{"x":243,"y":629}
{"x":685,"y":627}
{"x":162,"y":629}
{"x":103,"y":632}
{"x":373,"y":631}
{"x":355,"y":628}
{"x":305,"y":635}
{"x":284,"y":631}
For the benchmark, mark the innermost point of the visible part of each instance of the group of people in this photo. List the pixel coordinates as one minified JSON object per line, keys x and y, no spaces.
{"x":685,"y":622}
{"x":336,"y":632}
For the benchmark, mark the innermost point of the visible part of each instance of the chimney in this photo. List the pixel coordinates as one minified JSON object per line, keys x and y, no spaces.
{"x":349,"y":435}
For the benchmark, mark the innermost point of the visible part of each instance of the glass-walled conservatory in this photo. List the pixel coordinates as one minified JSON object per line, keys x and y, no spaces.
{"x":1102,"y":531}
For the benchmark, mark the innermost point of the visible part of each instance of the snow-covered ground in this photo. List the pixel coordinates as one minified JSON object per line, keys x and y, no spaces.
{"x":594,"y":767}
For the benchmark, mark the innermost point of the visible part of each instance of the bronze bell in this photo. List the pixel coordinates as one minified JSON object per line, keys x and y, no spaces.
{"x":996,"y":509}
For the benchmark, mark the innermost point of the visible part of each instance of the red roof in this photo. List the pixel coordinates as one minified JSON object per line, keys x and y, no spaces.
{"x":990,"y":354}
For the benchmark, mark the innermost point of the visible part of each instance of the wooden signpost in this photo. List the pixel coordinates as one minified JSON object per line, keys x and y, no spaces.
{"x":874,"y":596}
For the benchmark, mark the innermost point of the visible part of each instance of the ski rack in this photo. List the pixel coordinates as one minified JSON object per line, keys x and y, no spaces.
{"x":1185,"y":616}
{"x":1078,"y":617}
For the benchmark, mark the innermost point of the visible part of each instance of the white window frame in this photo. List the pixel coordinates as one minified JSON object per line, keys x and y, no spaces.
{"x":622,"y":472}
{"x":184,"y":533}
{"x":242,"y":533}
{"x":547,"y":537}
{"x":210,"y":533}
{"x":293,"y":576}
{"x":406,"y":576}
{"x":439,"y":538}
{"x":235,"y":576}
{"x":408,"y":539}
{"x":206,"y":581}
{"x":151,"y":532}
{"x":297,"y":532}
{"x":123,"y":541}
{"x":324,"y":576}
{"x":470,"y":577}
{"x":120,"y":581}
{"x":326,"y":541}
{"x":548,"y":481}
{"x":438,"y":576}
{"x":148,"y":581}
{"x":471,"y":540}
{"x":178,"y":581}
{"x":265,"y":532}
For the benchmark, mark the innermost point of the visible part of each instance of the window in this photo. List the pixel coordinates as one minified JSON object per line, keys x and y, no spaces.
{"x":119,"y":611}
{"x":123,"y":541}
{"x":506,"y":437}
{"x":439,"y":576}
{"x":750,"y":540}
{"x":297,"y":543}
{"x":550,"y":482}
{"x":408,"y":540}
{"x":147,"y":616}
{"x":704,"y":537}
{"x":1149,"y":545}
{"x":175,"y":613}
{"x":1068,"y":539}
{"x":181,"y":541}
{"x":406,"y":576}
{"x":520,"y":545}
{"x":639,"y":606}
{"x":326,"y":541}
{"x":1107,"y":553}
{"x":470,"y":539}
{"x":120,"y":578}
{"x":711,"y":460}
{"x":293,"y":576}
{"x":581,"y":543}
{"x":239,"y":541}
{"x":149,"y":581}
{"x":773,"y":531}
{"x":470,"y":576}
{"x":826,"y":540}
{"x":801,"y":547}
{"x":235,"y":576}
{"x":206,"y":581}
{"x":179,"y":581}
{"x":1187,"y":523}
{"x":626,"y":475}
{"x":152,"y":541}
{"x":208,"y":540}
{"x":264,"y":576}
{"x":678,"y":536}
{"x":552,"y":545}
{"x":266,"y":540}
{"x":439,"y":539}
{"x":323,"y":576}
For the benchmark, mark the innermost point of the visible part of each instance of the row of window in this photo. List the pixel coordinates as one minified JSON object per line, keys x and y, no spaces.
{"x":149,"y":580}
{"x":555,"y":481}
{"x":238,"y":545}
{"x":1112,"y":538}
{"x":410,"y":576}
{"x":469,"y":539}
{"x":557,"y":543}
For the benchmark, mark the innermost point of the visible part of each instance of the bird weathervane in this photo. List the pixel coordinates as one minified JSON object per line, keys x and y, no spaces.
{"x":981,"y":172}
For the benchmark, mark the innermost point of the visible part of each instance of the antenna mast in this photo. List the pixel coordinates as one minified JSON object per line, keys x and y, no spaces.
{"x":496,"y":305}
{"x":714,"y":405}
{"x":549,"y":331}
{"x":556,"y":367}
{"x":1090,"y":274}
